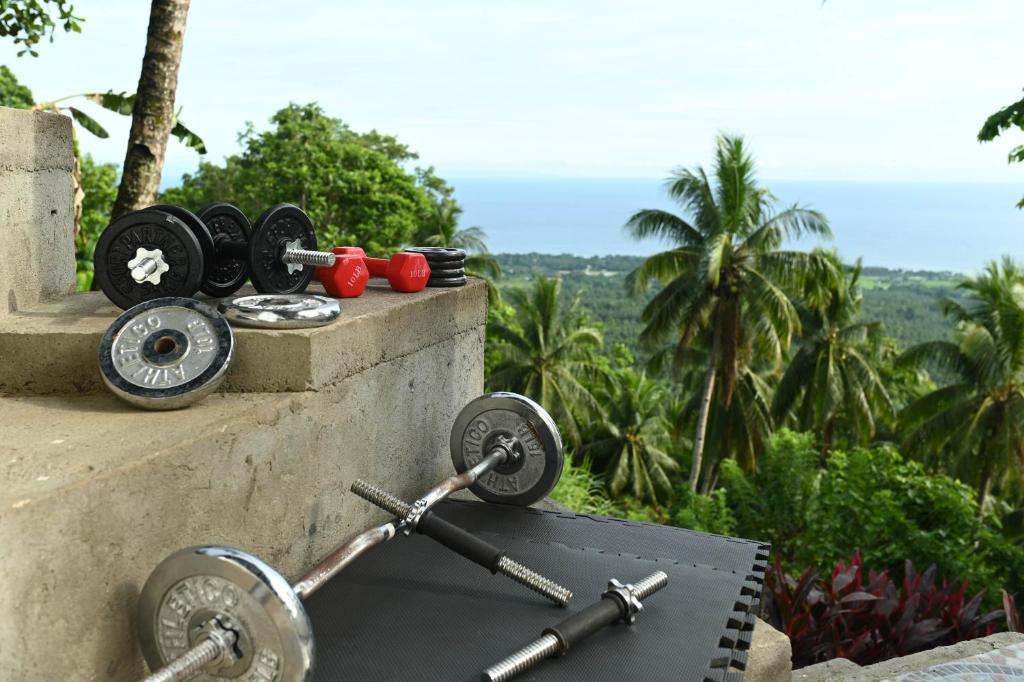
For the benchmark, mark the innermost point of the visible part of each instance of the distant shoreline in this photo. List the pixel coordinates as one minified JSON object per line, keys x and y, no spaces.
{"x":601,"y":263}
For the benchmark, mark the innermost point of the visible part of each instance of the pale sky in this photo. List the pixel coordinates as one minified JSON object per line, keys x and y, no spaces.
{"x":845,"y":90}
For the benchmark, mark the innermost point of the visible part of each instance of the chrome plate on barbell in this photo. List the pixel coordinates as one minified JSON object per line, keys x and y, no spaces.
{"x":166,"y":353}
{"x":281,"y":311}
{"x":538,"y":446}
{"x":193,"y":585}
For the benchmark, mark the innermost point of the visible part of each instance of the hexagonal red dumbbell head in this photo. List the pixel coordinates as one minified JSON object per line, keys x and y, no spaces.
{"x":404,"y":271}
{"x":341,"y":251}
{"x":347,"y":278}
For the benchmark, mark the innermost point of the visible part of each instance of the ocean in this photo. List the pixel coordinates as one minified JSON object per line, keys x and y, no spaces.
{"x":921,"y":226}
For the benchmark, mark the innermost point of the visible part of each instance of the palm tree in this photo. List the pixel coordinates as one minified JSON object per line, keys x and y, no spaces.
{"x":833,"y":374}
{"x":441,"y":228}
{"x":545,"y":352}
{"x":633,"y":437}
{"x":738,"y":429}
{"x":978,"y":418}
{"x":726,"y":275}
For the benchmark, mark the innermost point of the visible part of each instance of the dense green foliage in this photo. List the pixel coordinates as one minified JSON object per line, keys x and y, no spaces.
{"x":869,"y":500}
{"x":99,"y":188}
{"x":12,"y":93}
{"x":548,"y":350}
{"x":974,"y":426}
{"x":354,"y":186}
{"x":29,"y":21}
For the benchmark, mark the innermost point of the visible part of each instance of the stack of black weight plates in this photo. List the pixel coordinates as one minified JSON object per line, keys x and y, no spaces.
{"x":447,"y":266}
{"x":412,"y":610}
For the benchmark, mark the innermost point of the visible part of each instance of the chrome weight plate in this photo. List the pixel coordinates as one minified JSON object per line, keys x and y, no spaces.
{"x":166,"y":353}
{"x":538,"y":447}
{"x":281,"y":311}
{"x":193,"y":585}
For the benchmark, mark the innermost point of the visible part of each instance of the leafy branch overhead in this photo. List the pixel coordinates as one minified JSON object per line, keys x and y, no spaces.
{"x":1011,"y":116}
{"x":120,"y":103}
{"x":29,"y":21}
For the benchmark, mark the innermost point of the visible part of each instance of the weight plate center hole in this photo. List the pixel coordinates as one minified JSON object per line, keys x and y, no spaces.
{"x":165,"y":347}
{"x":512,"y":464}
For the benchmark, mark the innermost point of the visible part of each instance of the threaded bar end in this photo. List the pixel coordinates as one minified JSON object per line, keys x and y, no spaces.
{"x":381,"y":498}
{"x":522,"y":660}
{"x":320,"y":259}
{"x":650,"y":585}
{"x":510,"y":568}
{"x":189,"y":664}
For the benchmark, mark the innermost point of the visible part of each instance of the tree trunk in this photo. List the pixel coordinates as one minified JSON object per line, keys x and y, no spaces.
{"x":702,"y":424}
{"x":826,"y":439}
{"x":984,"y":485}
{"x":153,"y":113}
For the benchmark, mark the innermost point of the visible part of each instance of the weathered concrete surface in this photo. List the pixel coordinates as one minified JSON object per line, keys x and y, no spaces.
{"x":93,"y":493}
{"x":836,"y":669}
{"x":842,"y":669}
{"x":52,"y":347}
{"x":37,"y":250}
{"x":769,"y":658}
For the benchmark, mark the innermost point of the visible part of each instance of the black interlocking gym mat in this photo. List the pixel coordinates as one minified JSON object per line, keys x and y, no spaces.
{"x":412,"y":610}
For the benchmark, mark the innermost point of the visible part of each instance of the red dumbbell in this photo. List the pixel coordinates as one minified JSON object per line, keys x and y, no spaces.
{"x":340,"y":251}
{"x":346,"y":278}
{"x":404,"y":271}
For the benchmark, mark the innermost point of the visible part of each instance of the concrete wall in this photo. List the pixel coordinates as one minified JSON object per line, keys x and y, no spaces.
{"x":96,"y":494}
{"x":37,"y":252}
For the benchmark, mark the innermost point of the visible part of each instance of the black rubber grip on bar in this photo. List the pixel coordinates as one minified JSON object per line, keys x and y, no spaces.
{"x":459,"y":540}
{"x":575,"y":629}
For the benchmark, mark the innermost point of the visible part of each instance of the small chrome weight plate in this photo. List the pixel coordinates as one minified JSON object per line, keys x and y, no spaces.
{"x":229,"y":271}
{"x":193,"y":585}
{"x":166,"y":353}
{"x":537,"y":464}
{"x":280,"y":227}
{"x":281,"y":311}
{"x":145,"y":255}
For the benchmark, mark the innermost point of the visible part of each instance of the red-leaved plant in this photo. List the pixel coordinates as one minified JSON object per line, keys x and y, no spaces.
{"x":866,"y":617}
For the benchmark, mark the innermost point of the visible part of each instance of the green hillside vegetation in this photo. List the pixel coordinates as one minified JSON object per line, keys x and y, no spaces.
{"x":905,"y":302}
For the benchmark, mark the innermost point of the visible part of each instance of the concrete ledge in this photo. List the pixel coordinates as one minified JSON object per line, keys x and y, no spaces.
{"x":842,"y":669}
{"x":51,"y":347}
{"x":770,"y":655}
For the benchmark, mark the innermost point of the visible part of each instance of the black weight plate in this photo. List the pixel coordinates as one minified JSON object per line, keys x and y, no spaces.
{"x":150,"y":230}
{"x":438,"y":253}
{"x":447,"y":282}
{"x":198,"y":228}
{"x":446,"y":273}
{"x":278,"y":226}
{"x":226,"y":223}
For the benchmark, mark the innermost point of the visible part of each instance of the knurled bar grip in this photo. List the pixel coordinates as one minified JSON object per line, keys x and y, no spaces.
{"x":619,"y":602}
{"x":465,"y":543}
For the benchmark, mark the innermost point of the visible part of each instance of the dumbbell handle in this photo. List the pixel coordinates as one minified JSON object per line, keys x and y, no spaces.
{"x":619,"y":602}
{"x":497,"y":456}
{"x":378,"y":267}
{"x":465,"y":543}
